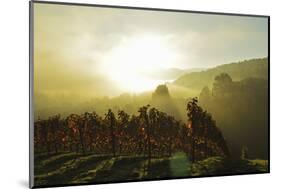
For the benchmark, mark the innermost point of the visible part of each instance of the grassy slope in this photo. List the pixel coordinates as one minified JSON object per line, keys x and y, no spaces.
{"x":70,"y":168}
{"x":228,"y":166}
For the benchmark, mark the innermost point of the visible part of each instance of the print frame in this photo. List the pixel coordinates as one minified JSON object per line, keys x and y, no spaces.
{"x":31,"y":91}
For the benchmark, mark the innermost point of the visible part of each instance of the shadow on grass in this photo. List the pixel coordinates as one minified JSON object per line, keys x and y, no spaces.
{"x":91,"y":168}
{"x":121,"y":169}
{"x":53,"y":162}
{"x":69,"y":170}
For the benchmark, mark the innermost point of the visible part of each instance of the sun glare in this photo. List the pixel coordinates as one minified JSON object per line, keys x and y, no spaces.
{"x":128,"y":63}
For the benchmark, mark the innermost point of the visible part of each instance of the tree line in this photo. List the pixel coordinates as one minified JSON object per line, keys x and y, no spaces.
{"x":240,"y":108}
{"x":151,"y":133}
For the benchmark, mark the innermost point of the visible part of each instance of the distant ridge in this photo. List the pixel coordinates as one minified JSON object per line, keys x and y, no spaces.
{"x":256,"y":68}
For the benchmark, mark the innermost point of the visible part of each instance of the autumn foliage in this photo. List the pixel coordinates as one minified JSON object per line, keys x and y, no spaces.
{"x":150,"y":133}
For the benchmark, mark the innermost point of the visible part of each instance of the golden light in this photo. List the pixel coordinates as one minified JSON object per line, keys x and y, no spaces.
{"x":129,"y":62}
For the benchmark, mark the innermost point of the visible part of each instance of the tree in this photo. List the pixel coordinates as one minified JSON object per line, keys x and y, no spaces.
{"x":203,"y":132}
{"x":222,"y":85}
{"x":193,"y":113}
{"x":74,"y":123}
{"x":112,"y":122}
{"x":161,"y":91}
{"x":137,"y":133}
{"x":123,"y":121}
{"x":205,"y":95}
{"x":144,"y":116}
{"x":93,"y":130}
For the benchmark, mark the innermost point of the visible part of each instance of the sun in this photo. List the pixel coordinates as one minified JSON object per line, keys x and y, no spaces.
{"x":128,"y":63}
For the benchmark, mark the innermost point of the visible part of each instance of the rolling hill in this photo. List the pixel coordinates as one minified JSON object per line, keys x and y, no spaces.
{"x":255,"y":68}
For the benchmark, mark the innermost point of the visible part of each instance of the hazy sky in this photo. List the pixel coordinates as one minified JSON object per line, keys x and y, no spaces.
{"x":105,"y":51}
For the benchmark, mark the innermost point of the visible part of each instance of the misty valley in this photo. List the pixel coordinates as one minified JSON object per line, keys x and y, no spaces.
{"x":201,"y":122}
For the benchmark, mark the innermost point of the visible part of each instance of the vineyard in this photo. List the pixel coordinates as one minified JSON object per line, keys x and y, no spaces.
{"x":90,"y":148}
{"x":152,"y":133}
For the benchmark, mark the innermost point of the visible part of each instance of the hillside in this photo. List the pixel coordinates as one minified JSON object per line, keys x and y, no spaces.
{"x":257,"y":68}
{"x":72,"y":168}
{"x":171,"y":73}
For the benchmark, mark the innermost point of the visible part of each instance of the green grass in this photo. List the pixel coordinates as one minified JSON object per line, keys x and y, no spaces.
{"x":121,"y":168}
{"x":52,"y":163}
{"x":180,"y":165}
{"x":70,"y":168}
{"x":223,"y":166}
